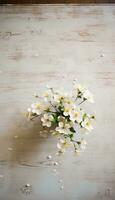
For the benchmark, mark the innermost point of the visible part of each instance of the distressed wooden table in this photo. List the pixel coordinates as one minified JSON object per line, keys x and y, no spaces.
{"x":54,"y":44}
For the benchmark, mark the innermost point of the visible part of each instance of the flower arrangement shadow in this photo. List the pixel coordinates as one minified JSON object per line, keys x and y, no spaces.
{"x":27,"y":143}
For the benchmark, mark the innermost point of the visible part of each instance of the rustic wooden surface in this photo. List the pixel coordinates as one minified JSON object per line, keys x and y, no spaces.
{"x":55,"y":1}
{"x":54,"y":44}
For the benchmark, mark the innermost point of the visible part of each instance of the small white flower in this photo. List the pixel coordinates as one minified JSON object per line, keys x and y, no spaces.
{"x":78,"y":89}
{"x":67,"y":109}
{"x":46,"y":107}
{"x":63,"y":127}
{"x":88,"y":96}
{"x":47,"y":120}
{"x":36,"y":108}
{"x":68,"y":101}
{"x":76,"y":115}
{"x":61,"y":130}
{"x":59,"y":98}
{"x":61,"y":124}
{"x":47,"y":95}
{"x":87,"y":124}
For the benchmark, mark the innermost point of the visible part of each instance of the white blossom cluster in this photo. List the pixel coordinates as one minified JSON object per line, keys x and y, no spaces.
{"x":64,"y":112}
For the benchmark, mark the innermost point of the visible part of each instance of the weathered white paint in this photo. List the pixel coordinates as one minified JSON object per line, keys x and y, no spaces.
{"x":53,"y":44}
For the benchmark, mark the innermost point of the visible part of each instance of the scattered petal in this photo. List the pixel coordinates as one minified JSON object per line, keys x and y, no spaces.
{"x":55,"y":163}
{"x":10,"y":149}
{"x":49,"y":157}
{"x":62,"y":187}
{"x":102,"y":55}
{"x":26,"y":189}
{"x":15,"y":136}
{"x":1,"y":176}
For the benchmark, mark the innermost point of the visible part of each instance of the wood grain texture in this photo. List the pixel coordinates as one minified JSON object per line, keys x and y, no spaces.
{"x":53,"y":44}
{"x":55,"y":1}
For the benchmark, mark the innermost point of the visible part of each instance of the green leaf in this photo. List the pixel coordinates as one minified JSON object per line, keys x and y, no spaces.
{"x":72,"y":130}
{"x":71,"y":135}
{"x":78,"y":142}
{"x":84,"y":116}
{"x":54,"y":121}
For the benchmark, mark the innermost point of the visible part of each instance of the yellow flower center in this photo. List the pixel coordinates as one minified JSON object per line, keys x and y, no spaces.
{"x":66,"y":110}
{"x":46,"y":95}
{"x":47,"y":108}
{"x":61,"y":98}
{"x":37,"y":106}
{"x":88,"y":124}
{"x":76,"y":114}
{"x":68,"y":101}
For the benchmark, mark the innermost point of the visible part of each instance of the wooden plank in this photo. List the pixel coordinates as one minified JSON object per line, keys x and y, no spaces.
{"x":55,"y":1}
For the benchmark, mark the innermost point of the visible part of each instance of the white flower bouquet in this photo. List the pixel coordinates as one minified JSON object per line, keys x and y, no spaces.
{"x":64,"y":113}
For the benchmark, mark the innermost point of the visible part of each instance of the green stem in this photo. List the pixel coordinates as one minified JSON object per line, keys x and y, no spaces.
{"x":73,"y":141}
{"x":53,"y":106}
{"x":34,"y":117}
{"x":82,"y":101}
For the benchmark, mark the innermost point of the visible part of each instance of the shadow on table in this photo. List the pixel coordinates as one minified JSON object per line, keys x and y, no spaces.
{"x":27,"y":140}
